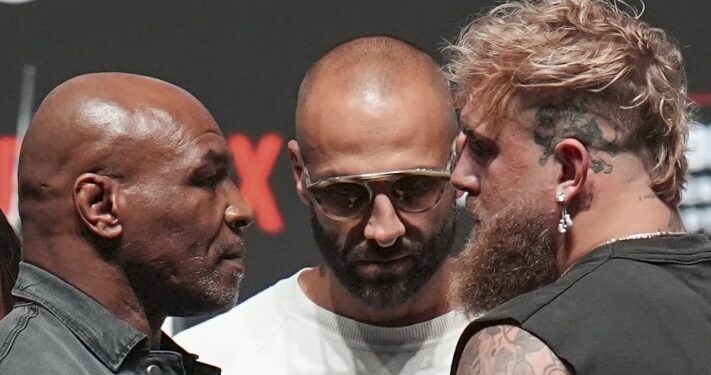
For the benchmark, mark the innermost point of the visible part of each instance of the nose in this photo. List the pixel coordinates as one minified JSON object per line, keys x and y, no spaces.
{"x":464,"y":177}
{"x":384,"y":225}
{"x":461,"y":140}
{"x":238,"y":213}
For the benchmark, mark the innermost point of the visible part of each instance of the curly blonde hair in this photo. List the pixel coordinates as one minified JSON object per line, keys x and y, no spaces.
{"x":588,"y":48}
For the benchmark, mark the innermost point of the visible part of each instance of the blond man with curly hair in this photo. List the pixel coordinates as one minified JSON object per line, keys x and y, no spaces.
{"x":575,"y":121}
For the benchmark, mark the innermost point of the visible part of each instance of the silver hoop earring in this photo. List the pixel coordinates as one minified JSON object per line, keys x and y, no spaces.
{"x":565,"y":222}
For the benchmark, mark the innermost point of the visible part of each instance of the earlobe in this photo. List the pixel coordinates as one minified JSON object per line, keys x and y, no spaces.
{"x":574,"y":160}
{"x":95,"y":202}
{"x":297,"y":169}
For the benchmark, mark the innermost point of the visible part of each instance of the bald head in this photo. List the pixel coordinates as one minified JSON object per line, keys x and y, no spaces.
{"x":368,"y":70}
{"x":379,"y":61}
{"x":125,"y":193}
{"x":376,"y":105}
{"x":95,"y":123}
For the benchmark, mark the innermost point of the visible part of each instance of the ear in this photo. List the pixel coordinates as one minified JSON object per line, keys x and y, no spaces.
{"x":575,"y":162}
{"x":297,"y":170}
{"x":95,"y":202}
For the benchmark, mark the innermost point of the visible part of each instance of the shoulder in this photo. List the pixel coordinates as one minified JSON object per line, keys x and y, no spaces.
{"x":33,"y":341}
{"x":591,"y":285}
{"x":507,"y":349}
{"x":29,"y":326}
{"x":591,"y":291}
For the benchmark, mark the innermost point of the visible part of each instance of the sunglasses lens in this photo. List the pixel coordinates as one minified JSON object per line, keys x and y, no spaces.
{"x":418,"y":193}
{"x":343,"y":200}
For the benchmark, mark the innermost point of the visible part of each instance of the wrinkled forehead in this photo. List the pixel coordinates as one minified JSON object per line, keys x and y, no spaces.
{"x":515,"y":114}
{"x":180,"y":150}
{"x":186,"y":138}
{"x":151,"y":138}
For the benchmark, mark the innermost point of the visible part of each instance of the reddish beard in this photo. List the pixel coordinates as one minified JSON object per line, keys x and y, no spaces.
{"x":511,"y":254}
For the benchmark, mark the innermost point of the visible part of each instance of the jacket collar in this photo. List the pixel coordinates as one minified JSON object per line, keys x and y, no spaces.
{"x":110,"y":338}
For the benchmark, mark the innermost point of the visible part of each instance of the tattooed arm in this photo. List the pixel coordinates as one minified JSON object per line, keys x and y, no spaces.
{"x":506,"y":349}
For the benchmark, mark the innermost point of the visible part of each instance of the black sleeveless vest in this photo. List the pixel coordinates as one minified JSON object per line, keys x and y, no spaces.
{"x":631,"y":307}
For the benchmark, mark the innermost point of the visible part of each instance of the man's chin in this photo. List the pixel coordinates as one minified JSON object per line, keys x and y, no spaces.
{"x":210,"y":305}
{"x":383,"y":293}
{"x":218,"y":296}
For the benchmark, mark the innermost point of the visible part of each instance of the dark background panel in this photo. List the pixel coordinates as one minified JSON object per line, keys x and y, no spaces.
{"x":244,"y":60}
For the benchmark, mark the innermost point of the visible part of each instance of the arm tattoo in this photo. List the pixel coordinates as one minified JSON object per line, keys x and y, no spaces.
{"x":508,"y":350}
{"x":557,"y":122}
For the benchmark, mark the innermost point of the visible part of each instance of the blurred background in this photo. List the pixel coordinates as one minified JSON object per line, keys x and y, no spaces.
{"x":244,"y":60}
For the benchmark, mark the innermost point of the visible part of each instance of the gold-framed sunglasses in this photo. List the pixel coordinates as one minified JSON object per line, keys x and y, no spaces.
{"x":344,"y":198}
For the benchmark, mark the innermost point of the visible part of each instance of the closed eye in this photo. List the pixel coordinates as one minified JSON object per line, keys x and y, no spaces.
{"x":214,"y":169}
{"x":210,"y":176}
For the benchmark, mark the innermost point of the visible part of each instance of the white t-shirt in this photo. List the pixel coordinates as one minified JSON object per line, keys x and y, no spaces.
{"x":281,"y":331}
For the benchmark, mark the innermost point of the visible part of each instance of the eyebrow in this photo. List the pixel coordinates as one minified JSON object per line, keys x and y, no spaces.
{"x":476,"y":135}
{"x":217,"y":157}
{"x":463,"y":120}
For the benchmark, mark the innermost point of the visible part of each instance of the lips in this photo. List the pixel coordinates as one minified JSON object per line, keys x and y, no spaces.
{"x":384,"y":268}
{"x":235,"y":251}
{"x":473,"y":211}
{"x":231,"y":260}
{"x":383,"y":260}
{"x":232,"y":255}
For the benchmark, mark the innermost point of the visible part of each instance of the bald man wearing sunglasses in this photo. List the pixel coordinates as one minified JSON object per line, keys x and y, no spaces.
{"x":375,"y":131}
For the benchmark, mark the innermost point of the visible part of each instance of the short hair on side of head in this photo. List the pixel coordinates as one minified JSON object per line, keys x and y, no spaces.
{"x":590,"y":49}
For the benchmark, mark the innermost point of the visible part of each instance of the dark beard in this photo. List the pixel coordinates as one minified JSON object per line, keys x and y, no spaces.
{"x":511,"y":254}
{"x":387,"y":292}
